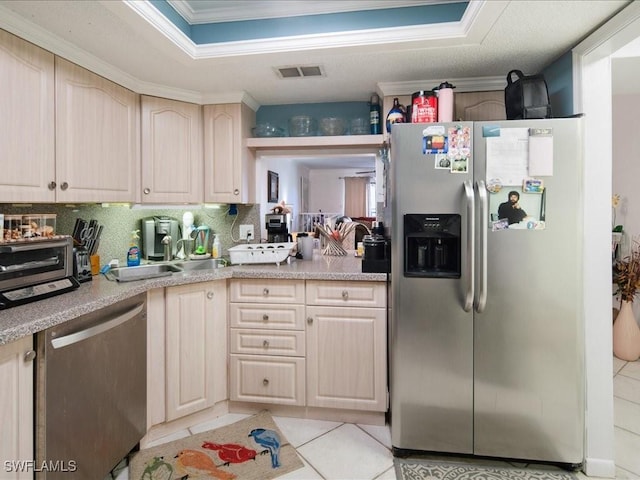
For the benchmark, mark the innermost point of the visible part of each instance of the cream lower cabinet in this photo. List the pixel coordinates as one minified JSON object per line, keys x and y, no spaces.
{"x":186,"y":350}
{"x":315,"y":344}
{"x":16,"y":408}
{"x":346,"y":337}
{"x":196,"y":341}
{"x":267,"y":342}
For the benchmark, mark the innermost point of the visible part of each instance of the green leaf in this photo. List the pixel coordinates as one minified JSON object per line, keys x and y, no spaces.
{"x":617,"y":228}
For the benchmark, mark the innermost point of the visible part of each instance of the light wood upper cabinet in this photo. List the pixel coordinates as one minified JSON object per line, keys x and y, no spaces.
{"x":229,"y":165}
{"x":16,"y":406}
{"x":172,"y":168}
{"x":27,"y":138}
{"x":97,"y":137}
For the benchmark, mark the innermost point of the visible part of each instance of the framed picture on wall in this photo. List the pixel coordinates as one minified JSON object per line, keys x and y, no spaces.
{"x":272,"y":187}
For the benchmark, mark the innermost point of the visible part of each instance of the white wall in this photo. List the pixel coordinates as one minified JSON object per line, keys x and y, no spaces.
{"x":326,"y":189}
{"x":289,"y":173}
{"x":593,"y":96}
{"x":626,"y":164}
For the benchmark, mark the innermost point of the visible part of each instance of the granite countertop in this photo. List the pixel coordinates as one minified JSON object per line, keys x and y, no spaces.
{"x":29,"y":319}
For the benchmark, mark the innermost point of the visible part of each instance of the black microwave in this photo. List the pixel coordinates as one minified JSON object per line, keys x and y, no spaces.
{"x":35,"y":269}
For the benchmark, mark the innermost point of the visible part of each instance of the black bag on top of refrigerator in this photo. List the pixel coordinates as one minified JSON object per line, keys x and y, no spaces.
{"x":526,"y":97}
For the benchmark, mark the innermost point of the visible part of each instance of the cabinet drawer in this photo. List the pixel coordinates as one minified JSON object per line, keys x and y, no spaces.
{"x":267,"y":342}
{"x":256,"y":315}
{"x":267,"y":291}
{"x":347,"y":294}
{"x":277,"y":380}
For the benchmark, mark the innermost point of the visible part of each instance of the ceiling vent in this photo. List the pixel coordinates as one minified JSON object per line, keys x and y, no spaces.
{"x":300,"y":71}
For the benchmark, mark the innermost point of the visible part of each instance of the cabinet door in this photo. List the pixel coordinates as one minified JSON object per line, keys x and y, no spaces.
{"x":172,"y":169}
{"x":156,"y":355}
{"x":97,"y":137}
{"x":16,"y":407}
{"x":27,"y":139}
{"x":196,"y":340}
{"x":347,"y":358}
{"x":229,"y":166}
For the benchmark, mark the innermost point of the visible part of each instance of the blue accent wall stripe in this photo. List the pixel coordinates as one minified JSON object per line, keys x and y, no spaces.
{"x":174,"y":17}
{"x":313,"y":24}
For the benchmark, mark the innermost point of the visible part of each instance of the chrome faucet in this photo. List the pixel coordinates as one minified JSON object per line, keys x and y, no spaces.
{"x":166,"y":241}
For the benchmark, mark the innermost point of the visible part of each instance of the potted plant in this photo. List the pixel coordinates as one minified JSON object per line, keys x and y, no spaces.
{"x":626,"y":333}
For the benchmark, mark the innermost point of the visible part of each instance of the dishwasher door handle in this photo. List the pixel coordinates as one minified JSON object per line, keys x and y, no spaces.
{"x":96,"y":329}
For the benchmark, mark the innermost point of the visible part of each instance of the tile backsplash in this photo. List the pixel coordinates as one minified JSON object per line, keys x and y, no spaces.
{"x":119,"y":221}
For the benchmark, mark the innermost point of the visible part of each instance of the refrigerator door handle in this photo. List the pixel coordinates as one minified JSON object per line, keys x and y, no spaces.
{"x":471,"y":228}
{"x":484,"y":227}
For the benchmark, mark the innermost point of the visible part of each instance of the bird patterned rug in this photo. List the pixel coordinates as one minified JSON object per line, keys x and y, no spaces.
{"x":250,"y":449}
{"x":411,"y":469}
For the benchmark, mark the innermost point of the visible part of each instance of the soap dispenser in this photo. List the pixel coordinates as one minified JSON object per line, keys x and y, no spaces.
{"x":215,"y":251}
{"x":133,"y":255}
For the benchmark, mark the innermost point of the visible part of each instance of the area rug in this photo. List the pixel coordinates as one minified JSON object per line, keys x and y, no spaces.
{"x":407,"y":469}
{"x":251,"y":449}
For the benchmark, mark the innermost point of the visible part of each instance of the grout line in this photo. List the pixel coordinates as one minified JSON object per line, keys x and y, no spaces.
{"x":309,"y":463}
{"x":357,"y":425}
{"x":320,"y":436}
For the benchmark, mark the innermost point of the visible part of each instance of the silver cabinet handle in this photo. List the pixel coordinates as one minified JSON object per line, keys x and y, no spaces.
{"x":471,"y":225}
{"x":265,"y":344}
{"x":265,"y":292}
{"x":484,"y":226}
{"x":309,"y":320}
{"x":209,"y":295}
{"x":345,"y":295}
{"x":97,"y":329}
{"x":29,"y":356}
{"x":52,"y":185}
{"x":64,"y":186}
{"x":236,"y":192}
{"x":147,"y":191}
{"x":265,"y":318}
{"x":265,"y":382}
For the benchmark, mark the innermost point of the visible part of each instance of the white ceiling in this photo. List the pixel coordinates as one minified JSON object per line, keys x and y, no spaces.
{"x":112,"y":38}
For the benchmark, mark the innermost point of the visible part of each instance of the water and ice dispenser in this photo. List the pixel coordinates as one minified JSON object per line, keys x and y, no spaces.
{"x":432,"y":245}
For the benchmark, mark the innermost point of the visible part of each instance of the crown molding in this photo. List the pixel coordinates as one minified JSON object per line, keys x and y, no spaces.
{"x":478,"y":84}
{"x":471,"y":29}
{"x":242,"y":10}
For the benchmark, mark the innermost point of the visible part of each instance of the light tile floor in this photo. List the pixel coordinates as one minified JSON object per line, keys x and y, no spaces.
{"x":342,"y":451}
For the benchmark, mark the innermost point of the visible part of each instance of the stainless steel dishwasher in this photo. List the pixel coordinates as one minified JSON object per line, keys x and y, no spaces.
{"x":91,"y":391}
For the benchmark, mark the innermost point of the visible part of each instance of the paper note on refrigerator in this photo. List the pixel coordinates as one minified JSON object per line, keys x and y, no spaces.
{"x":540,"y":152}
{"x":507,"y":156}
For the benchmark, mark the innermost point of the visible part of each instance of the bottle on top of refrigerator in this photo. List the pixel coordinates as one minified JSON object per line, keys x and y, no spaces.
{"x":215,"y":250}
{"x":395,"y":115}
{"x":374,"y":115}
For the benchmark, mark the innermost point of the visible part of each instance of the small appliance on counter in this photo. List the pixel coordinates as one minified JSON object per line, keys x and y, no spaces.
{"x":34,"y":269}
{"x":377,"y":250}
{"x":276,"y":224}
{"x":376,"y":258}
{"x":81,"y":264}
{"x":153,"y":230}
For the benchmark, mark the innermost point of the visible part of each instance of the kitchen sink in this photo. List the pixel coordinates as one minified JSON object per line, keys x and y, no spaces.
{"x":142,"y":272}
{"x":190,"y":266}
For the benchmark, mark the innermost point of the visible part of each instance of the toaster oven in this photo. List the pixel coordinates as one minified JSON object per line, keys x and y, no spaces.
{"x":35,"y":269}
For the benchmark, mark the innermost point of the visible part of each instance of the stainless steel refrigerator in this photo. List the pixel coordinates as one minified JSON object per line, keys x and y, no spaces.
{"x":486,"y":334}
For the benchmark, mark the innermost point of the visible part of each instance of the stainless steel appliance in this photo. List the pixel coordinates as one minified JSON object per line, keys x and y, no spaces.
{"x":486,"y":340}
{"x":153,"y":230}
{"x":91,"y":391}
{"x":35,"y":269}
{"x":276,"y":225}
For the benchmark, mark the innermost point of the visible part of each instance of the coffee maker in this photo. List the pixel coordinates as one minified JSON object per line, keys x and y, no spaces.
{"x":276,"y":224}
{"x":153,"y":230}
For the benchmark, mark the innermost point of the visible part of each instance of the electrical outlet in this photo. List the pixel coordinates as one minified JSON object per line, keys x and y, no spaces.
{"x":246,"y":231}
